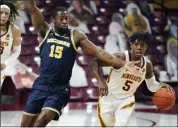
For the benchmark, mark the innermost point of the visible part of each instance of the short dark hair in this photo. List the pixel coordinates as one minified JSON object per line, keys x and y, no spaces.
{"x":13,"y":9}
{"x":141,"y":36}
{"x":58,"y":9}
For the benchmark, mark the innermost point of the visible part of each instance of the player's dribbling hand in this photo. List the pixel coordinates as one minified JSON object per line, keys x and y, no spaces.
{"x":170,"y":89}
{"x":103,"y":88}
{"x":3,"y":66}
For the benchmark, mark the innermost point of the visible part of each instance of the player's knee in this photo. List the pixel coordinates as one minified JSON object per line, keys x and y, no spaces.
{"x":45,"y":117}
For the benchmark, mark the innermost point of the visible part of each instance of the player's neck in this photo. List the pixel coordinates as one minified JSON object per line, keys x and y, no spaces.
{"x":61,"y":32}
{"x":3,"y":27}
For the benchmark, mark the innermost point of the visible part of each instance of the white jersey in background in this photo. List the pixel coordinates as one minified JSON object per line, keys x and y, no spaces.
{"x":6,"y":43}
{"x":6,"y":48}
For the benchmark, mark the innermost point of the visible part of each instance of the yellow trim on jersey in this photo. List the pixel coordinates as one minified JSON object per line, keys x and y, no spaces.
{"x":3,"y":78}
{"x":129,"y":105}
{"x":52,"y":109}
{"x":109,"y":76}
{"x":30,"y":114}
{"x":73,"y":42}
{"x":101,"y":120}
{"x":45,"y":37}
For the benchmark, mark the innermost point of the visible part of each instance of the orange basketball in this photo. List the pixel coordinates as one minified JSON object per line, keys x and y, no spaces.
{"x":164,"y":99}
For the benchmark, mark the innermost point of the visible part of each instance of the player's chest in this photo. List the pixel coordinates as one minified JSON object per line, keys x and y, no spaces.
{"x":136,"y":77}
{"x":6,"y":40}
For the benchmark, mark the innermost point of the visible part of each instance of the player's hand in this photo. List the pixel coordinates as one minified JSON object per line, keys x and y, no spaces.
{"x":103,"y":88}
{"x":3,"y":66}
{"x":131,"y":66}
{"x":170,"y":89}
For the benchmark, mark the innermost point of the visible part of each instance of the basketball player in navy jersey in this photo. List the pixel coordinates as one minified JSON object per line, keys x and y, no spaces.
{"x":58,"y":46}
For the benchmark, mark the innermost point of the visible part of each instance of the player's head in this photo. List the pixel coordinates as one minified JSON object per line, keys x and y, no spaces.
{"x":139,"y":43}
{"x":8,"y":12}
{"x":60,"y":19}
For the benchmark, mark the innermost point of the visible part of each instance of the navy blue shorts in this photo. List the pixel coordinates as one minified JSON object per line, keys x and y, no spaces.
{"x":51,"y":97}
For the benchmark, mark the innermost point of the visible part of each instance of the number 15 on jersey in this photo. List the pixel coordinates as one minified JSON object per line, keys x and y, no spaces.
{"x":56,"y":51}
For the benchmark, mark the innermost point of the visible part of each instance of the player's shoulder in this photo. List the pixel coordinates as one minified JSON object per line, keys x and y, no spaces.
{"x":120,"y":55}
{"x":148,"y":61}
{"x":15,"y":28}
{"x":77,"y":32}
{"x":149,"y":64}
{"x":78,"y":35}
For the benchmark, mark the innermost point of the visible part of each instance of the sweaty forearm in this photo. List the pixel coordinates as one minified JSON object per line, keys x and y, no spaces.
{"x":94,"y":68}
{"x":108,"y":58}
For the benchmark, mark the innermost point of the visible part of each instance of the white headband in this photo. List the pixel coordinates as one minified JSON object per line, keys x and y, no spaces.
{"x":5,"y":6}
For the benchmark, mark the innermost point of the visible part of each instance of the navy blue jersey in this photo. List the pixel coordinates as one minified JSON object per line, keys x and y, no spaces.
{"x":57,"y":55}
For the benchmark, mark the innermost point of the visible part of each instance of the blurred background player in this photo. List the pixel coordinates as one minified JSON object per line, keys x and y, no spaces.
{"x":117,"y":101}
{"x":10,"y":36}
{"x":58,"y":48}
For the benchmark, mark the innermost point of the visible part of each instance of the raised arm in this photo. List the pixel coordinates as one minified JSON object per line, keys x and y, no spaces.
{"x":37,"y":18}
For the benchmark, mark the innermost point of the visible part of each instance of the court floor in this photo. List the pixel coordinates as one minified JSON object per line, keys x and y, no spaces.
{"x":83,"y":115}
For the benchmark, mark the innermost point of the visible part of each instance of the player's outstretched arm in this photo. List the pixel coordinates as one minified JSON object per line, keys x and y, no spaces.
{"x":151,"y":82}
{"x":89,"y":48}
{"x":37,"y":17}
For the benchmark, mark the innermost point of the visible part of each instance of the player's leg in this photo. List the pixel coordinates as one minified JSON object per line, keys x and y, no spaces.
{"x":44,"y":118}
{"x":33,"y":108}
{"x":105,"y":111}
{"x":28,"y":120}
{"x":125,"y":111}
{"x":53,"y":106}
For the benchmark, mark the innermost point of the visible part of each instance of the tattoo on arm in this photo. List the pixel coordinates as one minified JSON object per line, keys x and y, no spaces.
{"x":101,"y":52}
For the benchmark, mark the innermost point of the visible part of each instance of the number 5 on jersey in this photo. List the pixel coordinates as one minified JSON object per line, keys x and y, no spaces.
{"x":127,"y":85}
{"x":56,"y":52}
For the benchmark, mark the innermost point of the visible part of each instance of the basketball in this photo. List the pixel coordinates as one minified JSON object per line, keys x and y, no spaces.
{"x":163,"y":99}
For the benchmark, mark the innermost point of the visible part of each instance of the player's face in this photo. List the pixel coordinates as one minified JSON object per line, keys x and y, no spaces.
{"x":5,"y":13}
{"x":138,"y":48}
{"x":61,"y":21}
